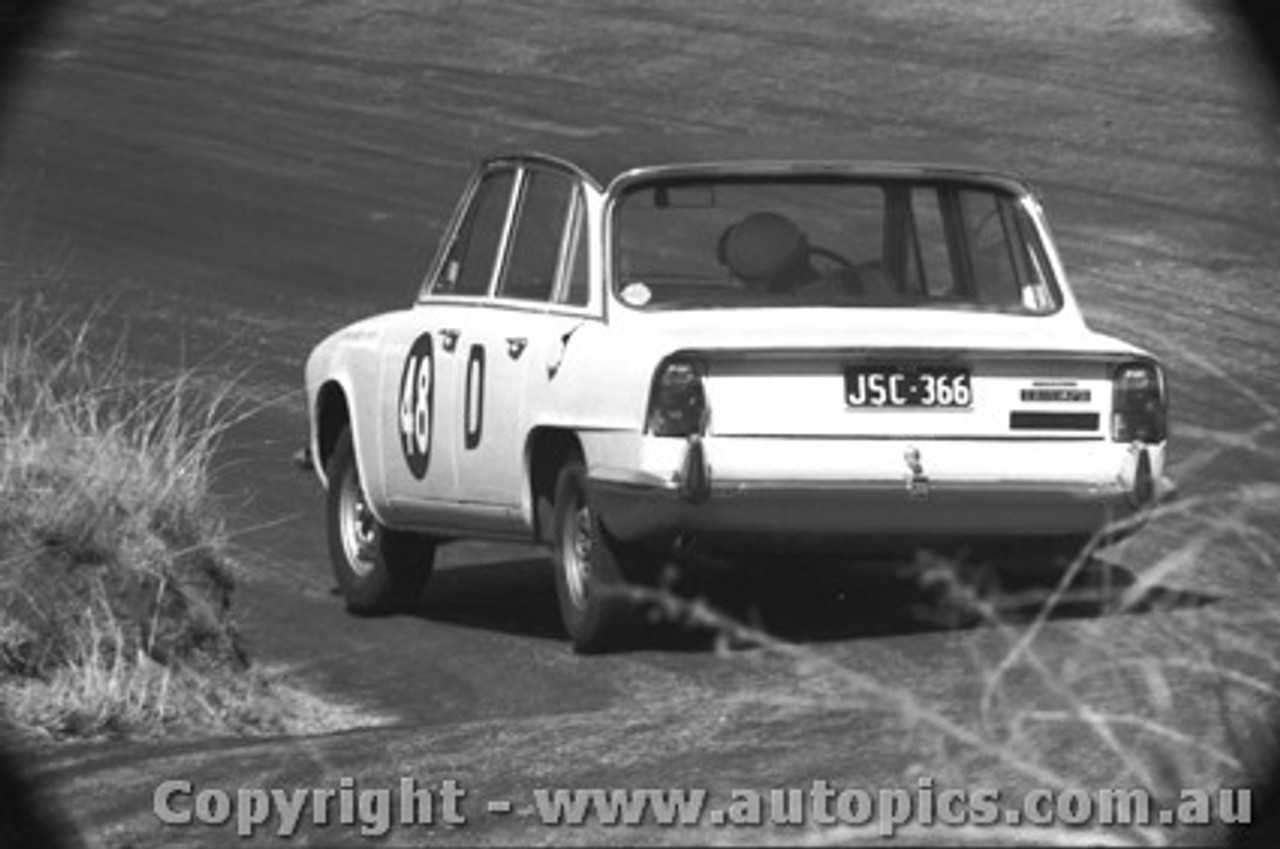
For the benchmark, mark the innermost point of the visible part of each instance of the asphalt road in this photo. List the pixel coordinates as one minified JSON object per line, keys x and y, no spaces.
{"x":235,"y":180}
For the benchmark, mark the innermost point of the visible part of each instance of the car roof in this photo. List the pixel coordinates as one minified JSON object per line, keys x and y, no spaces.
{"x":606,"y":156}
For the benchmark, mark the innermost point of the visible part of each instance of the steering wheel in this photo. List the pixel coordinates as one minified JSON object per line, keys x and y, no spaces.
{"x":833,"y":256}
{"x":843,"y":280}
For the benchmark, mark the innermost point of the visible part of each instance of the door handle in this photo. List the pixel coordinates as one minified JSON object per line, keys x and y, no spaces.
{"x":449,"y":339}
{"x":557,"y":358}
{"x":516,"y":346}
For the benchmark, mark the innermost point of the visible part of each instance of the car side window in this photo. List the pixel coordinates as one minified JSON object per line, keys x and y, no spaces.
{"x":530,"y":273}
{"x":469,"y":267}
{"x":992,"y":248}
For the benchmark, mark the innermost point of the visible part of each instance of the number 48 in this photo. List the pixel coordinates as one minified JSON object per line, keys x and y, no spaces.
{"x":415,"y":404}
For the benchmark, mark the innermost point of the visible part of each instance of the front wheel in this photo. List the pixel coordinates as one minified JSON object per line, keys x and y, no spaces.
{"x":378,"y":570}
{"x":592,"y":570}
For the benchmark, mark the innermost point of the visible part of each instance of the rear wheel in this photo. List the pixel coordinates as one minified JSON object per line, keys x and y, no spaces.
{"x":593,"y":570}
{"x":378,"y":570}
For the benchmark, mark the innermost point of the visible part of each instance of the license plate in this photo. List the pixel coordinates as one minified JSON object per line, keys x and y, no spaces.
{"x":876,"y":386}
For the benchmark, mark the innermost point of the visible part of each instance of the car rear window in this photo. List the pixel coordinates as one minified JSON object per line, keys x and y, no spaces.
{"x":805,"y":241}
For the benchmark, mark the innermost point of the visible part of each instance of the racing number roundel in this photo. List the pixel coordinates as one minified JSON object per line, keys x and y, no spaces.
{"x":417,"y":393}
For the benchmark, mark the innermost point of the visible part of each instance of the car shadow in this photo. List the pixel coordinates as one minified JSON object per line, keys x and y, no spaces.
{"x":843,"y":603}
{"x":513,"y":596}
{"x":810,"y":603}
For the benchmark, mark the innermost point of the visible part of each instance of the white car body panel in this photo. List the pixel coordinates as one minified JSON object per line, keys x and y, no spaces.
{"x":777,"y":434}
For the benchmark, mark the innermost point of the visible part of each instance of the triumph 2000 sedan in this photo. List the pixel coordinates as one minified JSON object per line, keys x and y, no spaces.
{"x":630,"y":359}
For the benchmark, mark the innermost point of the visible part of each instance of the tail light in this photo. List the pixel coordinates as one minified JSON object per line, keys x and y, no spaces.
{"x":1138,"y":405}
{"x":677,"y":401}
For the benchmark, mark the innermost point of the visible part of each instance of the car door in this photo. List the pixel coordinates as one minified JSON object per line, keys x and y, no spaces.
{"x":424,"y":357}
{"x":541,"y":296}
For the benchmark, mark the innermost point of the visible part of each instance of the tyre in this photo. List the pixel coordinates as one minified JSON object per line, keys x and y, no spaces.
{"x":593,"y":570}
{"x":378,"y":570}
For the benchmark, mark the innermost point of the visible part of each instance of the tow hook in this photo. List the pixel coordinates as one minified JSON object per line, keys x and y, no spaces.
{"x":917,"y":480}
{"x":695,"y":477}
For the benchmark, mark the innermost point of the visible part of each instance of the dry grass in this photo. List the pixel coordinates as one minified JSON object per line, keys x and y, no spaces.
{"x":116,"y":583}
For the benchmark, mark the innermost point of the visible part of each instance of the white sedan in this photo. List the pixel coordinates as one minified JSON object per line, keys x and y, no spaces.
{"x":635,"y":360}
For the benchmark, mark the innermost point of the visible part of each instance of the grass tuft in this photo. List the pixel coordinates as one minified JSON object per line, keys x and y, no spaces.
{"x":116,"y":586}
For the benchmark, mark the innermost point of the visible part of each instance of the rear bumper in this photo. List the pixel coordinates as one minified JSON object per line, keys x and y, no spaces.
{"x":911,"y":506}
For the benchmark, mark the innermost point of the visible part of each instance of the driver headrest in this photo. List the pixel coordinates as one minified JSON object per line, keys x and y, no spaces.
{"x":761,"y":246}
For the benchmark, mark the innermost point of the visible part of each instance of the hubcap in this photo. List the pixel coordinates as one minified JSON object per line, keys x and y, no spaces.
{"x":577,"y":554}
{"x":357,"y":526}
